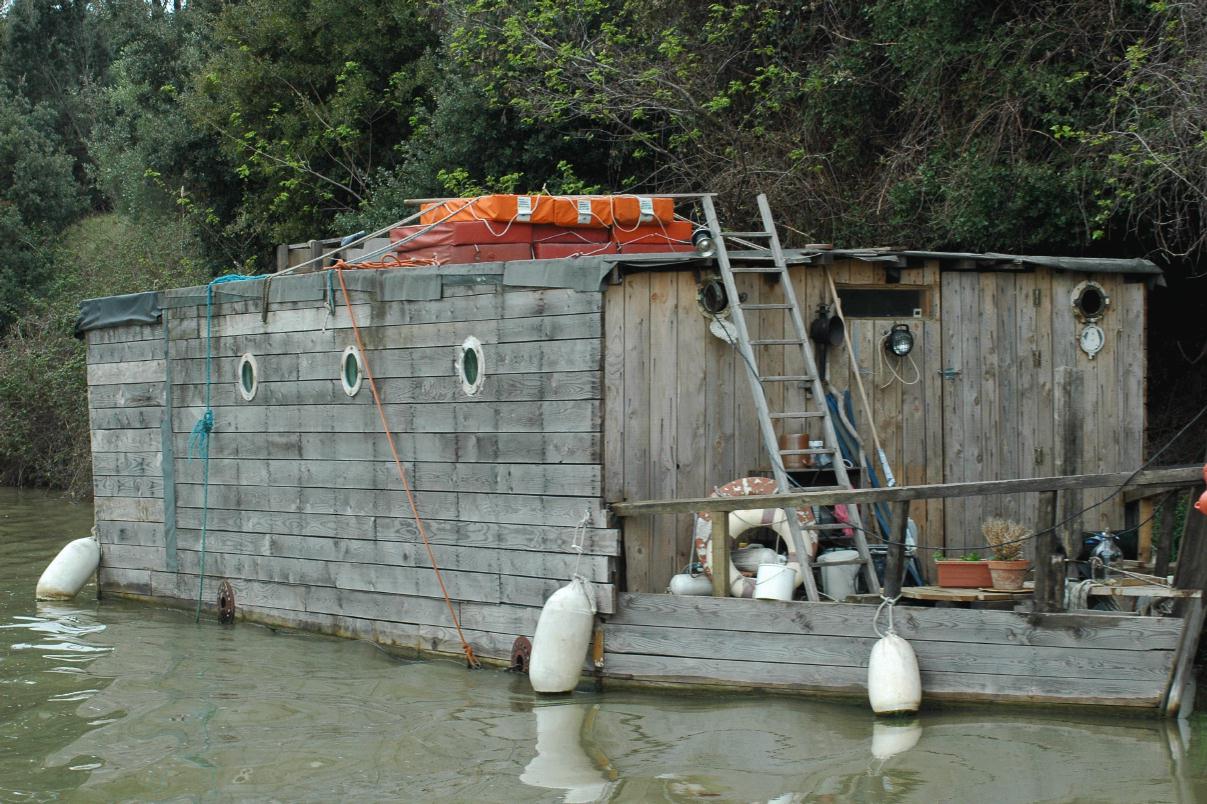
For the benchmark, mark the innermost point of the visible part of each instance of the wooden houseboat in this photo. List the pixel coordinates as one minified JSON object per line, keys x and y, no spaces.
{"x":571,"y":415}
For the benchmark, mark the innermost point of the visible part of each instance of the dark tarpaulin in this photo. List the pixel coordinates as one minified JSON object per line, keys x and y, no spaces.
{"x":114,"y":311}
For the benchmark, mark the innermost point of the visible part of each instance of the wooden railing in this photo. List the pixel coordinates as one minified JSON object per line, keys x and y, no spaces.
{"x":1049,"y":565}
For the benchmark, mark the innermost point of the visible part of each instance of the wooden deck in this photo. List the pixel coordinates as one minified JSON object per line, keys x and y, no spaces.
{"x":964,"y":655}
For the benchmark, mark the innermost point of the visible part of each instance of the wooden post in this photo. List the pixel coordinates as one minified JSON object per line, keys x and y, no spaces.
{"x":894,"y":565}
{"x":1163,"y":549}
{"x":1144,"y":531}
{"x":720,"y":554}
{"x":1049,"y":563}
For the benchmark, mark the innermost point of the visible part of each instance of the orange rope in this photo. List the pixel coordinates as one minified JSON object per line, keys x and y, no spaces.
{"x":406,"y":484}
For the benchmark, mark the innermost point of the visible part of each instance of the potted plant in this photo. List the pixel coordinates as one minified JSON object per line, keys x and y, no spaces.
{"x":1008,"y":567}
{"x":968,"y":572}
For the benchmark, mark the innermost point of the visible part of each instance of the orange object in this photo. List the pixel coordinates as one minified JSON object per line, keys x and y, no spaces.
{"x":469,"y":254}
{"x":958,"y":574}
{"x":461,"y":233}
{"x":673,"y":233}
{"x":793,"y":441}
{"x":565,"y":234}
{"x":654,"y":248}
{"x":557,"y":251}
{"x":1201,"y":505}
{"x":567,"y":211}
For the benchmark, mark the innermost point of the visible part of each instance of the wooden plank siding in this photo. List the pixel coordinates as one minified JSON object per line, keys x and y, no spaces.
{"x":824,"y":647}
{"x":306,"y":515}
{"x":1020,"y":399}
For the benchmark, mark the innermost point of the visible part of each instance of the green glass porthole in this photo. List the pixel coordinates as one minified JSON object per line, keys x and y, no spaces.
{"x":351,"y":371}
{"x":249,"y":379}
{"x":471,"y":366}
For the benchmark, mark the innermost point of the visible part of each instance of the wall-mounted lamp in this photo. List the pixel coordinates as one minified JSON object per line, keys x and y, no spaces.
{"x":900,"y":340}
{"x":703,"y":243}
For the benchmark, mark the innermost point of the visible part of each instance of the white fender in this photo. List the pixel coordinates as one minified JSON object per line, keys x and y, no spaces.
{"x":687,"y":584}
{"x":894,"y":684}
{"x":890,"y":739}
{"x":563,"y":635}
{"x":561,"y":762}
{"x":72,"y":567}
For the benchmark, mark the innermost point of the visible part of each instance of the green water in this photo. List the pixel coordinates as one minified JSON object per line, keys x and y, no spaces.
{"x":118,"y":701}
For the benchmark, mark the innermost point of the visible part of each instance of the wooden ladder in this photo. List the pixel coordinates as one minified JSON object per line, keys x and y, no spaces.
{"x":814,"y":409}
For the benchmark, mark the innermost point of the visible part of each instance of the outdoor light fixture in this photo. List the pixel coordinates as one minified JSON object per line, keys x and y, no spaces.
{"x":704,"y":244}
{"x":900,"y":340}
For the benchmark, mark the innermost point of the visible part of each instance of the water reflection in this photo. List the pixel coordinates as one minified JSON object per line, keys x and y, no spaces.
{"x":568,"y":757}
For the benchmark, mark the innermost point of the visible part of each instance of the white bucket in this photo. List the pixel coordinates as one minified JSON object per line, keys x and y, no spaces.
{"x":774,"y":582}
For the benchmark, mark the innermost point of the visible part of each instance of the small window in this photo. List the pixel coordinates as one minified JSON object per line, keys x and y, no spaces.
{"x":470,"y":366}
{"x":249,"y":377}
{"x":893,"y":301}
{"x":351,"y":370}
{"x":1090,"y":301}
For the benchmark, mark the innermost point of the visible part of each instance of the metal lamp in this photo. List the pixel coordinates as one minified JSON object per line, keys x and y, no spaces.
{"x":900,"y":340}
{"x":703,"y":243}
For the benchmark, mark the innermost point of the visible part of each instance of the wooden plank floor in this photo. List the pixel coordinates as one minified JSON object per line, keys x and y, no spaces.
{"x":963,"y":654}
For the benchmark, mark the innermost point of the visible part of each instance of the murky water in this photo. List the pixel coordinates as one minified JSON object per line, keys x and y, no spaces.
{"x":118,"y":701}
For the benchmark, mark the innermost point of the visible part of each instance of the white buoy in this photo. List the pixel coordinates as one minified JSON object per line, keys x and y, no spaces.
{"x":894,"y":684}
{"x":563,"y":635}
{"x":891,"y":738}
{"x":687,"y":584}
{"x":70,"y":570}
{"x":561,"y":761}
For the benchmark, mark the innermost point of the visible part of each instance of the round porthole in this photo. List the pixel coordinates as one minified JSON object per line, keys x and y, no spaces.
{"x":1090,"y":301}
{"x":249,"y":376}
{"x":712,"y":298}
{"x":471,"y":366}
{"x":351,"y":370}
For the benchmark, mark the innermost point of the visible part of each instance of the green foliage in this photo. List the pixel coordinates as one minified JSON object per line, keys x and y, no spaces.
{"x":43,"y":391}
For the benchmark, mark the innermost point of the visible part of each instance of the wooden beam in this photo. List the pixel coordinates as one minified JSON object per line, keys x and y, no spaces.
{"x":1182,"y":475}
{"x":720,"y":555}
{"x":1049,"y":564}
{"x":1183,"y":674}
{"x":894,"y":566}
{"x":1144,"y":534}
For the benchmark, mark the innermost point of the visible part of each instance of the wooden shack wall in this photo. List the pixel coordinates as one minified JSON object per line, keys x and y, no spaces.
{"x":306,"y":514}
{"x":1022,"y":400}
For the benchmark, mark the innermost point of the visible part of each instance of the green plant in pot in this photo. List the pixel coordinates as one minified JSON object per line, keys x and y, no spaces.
{"x":1008,"y":568}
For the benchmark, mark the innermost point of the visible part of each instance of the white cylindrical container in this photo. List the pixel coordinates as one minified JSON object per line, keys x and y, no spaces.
{"x":894,"y":684}
{"x":563,"y":635}
{"x":838,"y":582}
{"x":774,"y":582}
{"x":686,"y":584}
{"x":72,"y":567}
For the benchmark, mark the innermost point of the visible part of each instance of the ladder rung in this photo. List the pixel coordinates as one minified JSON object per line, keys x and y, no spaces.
{"x":786,"y":378}
{"x":770,"y":269}
{"x":745,"y":234}
{"x":821,"y":451}
{"x":766,"y":306}
{"x":776,"y":342}
{"x":808,"y":414}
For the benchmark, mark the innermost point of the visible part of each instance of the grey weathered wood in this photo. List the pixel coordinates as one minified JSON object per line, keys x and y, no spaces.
{"x":574,"y":480}
{"x":486,"y":535}
{"x":894,"y":566}
{"x":466,"y":505}
{"x":126,"y":395}
{"x":1181,"y":672}
{"x":553,"y":448}
{"x":139,"y":371}
{"x":552,"y":386}
{"x":1115,"y":632}
{"x":146,"y":440}
{"x":1049,"y":564}
{"x":852,"y":681}
{"x":116,"y":486}
{"x":131,"y":464}
{"x":129,"y":509}
{"x":933,"y":656}
{"x":940,"y":491}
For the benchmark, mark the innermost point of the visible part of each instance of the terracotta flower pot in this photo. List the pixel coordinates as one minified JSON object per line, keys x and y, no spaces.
{"x":1008,"y":574}
{"x":960,"y":574}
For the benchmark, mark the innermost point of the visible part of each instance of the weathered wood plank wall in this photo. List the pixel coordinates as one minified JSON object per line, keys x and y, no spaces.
{"x":996,"y":387}
{"x":963,"y":655}
{"x":306,"y":513}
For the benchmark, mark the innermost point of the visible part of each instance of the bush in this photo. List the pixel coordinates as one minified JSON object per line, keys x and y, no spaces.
{"x":44,"y":433}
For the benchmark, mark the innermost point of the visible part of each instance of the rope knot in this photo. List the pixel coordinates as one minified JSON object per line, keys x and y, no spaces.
{"x":199,"y":439}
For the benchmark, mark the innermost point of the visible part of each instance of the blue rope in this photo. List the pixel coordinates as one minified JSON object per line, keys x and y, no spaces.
{"x":199,"y":439}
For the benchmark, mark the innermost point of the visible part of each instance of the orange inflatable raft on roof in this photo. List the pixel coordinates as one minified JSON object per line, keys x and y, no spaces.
{"x":595,"y":211}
